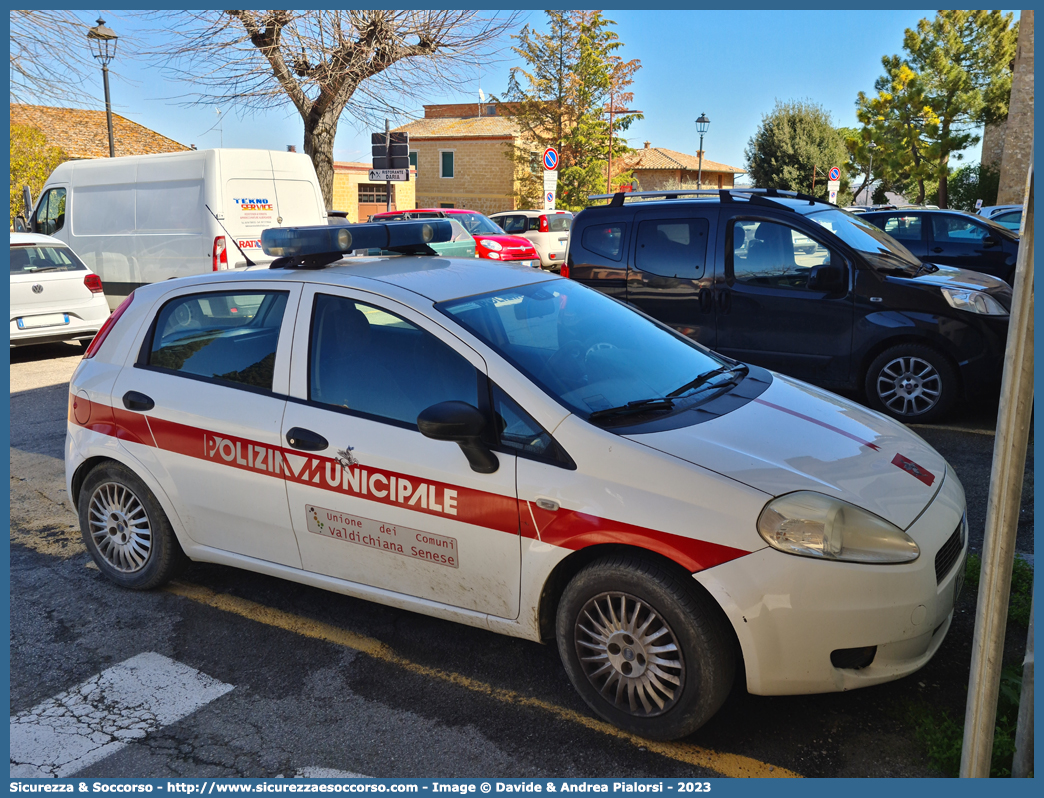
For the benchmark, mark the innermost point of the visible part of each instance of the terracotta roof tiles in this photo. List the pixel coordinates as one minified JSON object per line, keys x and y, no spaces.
{"x":84,"y":134}
{"x":662,"y":158}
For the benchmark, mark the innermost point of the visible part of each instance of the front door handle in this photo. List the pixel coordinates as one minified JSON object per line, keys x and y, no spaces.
{"x":306,"y":440}
{"x":937,"y":249}
{"x":132,"y":400}
{"x":706,"y":299}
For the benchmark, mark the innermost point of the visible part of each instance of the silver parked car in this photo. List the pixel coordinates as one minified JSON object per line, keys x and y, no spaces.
{"x":547,"y":230}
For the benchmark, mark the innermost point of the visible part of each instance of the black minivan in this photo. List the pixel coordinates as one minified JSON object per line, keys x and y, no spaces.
{"x":794,"y":284}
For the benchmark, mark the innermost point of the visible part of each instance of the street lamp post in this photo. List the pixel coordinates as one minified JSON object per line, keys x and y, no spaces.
{"x":103,"y":47}
{"x":870,"y":172}
{"x":701,"y":127}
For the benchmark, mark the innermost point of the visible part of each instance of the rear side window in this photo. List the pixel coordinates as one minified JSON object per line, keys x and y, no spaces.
{"x":512,"y":224}
{"x":605,"y":240}
{"x":672,"y":247}
{"x":903,"y":227}
{"x":227,"y":336}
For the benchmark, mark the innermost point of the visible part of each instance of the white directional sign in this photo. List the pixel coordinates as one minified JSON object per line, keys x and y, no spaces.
{"x":378,"y":175}
{"x":833,"y":186}
{"x":978,"y":204}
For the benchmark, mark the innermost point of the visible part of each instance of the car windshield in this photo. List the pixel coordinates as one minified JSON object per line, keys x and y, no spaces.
{"x":28,"y":260}
{"x":478,"y":225}
{"x":591,"y":353}
{"x":882,"y":251}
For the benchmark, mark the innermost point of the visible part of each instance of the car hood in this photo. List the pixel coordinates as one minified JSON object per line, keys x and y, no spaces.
{"x":952,"y":277}
{"x":506,"y":241}
{"x":796,"y":437}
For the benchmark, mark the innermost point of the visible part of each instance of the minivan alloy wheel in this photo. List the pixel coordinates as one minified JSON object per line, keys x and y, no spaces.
{"x":909,"y":386}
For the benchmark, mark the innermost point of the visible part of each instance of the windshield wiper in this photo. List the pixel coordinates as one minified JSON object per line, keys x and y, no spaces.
{"x":637,"y":406}
{"x":36,"y":269}
{"x":706,"y":377}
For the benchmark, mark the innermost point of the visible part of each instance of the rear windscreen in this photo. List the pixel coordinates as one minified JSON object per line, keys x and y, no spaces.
{"x":559,"y":223}
{"x":29,"y":260}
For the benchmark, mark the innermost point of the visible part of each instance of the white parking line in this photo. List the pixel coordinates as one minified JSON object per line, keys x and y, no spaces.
{"x":98,"y":717}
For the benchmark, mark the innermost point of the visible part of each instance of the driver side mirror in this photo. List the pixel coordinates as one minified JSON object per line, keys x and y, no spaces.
{"x":829,"y":278}
{"x":20,"y":226}
{"x":463,"y":424}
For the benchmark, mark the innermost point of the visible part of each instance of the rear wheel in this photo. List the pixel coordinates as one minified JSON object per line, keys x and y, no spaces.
{"x":125,"y":529}
{"x":647,"y":651}
{"x":911,"y":382}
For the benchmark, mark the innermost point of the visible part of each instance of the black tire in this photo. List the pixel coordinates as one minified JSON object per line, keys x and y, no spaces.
{"x":913,"y":383}
{"x":125,"y":529}
{"x":668,"y":608}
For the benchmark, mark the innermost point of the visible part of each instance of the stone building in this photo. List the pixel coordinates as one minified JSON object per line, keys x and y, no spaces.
{"x":85,"y":134}
{"x":657,"y":168}
{"x":1018,"y":133}
{"x":359,"y":198}
{"x":460,"y":152}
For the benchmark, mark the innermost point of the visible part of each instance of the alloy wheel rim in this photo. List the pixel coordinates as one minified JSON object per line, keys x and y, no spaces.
{"x":119,"y":527}
{"x":629,"y":654}
{"x":909,"y":386}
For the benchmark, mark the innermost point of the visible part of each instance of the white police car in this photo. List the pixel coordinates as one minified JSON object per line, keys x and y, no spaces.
{"x":514,"y":451}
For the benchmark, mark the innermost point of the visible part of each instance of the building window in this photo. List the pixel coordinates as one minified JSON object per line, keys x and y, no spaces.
{"x":491,"y":110}
{"x":535,"y":163}
{"x":446,"y":158}
{"x":413,"y":160}
{"x":445,"y":204}
{"x":371,"y":193}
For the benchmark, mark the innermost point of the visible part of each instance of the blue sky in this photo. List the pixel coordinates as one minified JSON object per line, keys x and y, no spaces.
{"x":731,"y":65}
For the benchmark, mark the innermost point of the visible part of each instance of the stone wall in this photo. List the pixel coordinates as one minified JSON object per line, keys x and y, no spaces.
{"x":1018,"y":141}
{"x":483,"y":176}
{"x":660,"y":179}
{"x":993,"y":144}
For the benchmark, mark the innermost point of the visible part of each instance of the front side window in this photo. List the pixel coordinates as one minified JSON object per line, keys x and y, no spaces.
{"x":955,"y":230}
{"x":226,"y":336}
{"x":50,"y":215}
{"x":516,"y":429}
{"x":446,"y":159}
{"x":372,"y":362}
{"x":903,"y":227}
{"x":672,"y":247}
{"x":29,"y":260}
{"x":773,"y":255}
{"x":584,"y":349}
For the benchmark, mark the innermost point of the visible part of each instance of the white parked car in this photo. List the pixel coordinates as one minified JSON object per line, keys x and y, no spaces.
{"x":54,"y":297}
{"x":547,"y":230}
{"x":514,"y":451}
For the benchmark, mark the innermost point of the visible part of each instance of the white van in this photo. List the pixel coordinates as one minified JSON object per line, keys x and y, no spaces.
{"x":144,"y":218}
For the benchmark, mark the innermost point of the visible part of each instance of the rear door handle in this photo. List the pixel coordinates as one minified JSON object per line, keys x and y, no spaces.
{"x":306,"y":440}
{"x":132,"y":400}
{"x":724,"y":301}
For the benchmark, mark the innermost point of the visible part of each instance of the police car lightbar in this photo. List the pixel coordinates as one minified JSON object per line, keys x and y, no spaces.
{"x":317,"y":246}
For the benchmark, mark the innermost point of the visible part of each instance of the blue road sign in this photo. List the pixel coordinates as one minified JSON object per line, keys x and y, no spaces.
{"x":835,"y":174}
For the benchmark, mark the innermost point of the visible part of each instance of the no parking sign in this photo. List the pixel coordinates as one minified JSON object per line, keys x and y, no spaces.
{"x":551,"y":159}
{"x":835,"y":173}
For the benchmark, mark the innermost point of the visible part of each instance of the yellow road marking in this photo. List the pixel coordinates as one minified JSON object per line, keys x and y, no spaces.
{"x":731,"y":765}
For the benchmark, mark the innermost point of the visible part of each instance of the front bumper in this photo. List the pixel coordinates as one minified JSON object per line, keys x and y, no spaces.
{"x":790,"y":613}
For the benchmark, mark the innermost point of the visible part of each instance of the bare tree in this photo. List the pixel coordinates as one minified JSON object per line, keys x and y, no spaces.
{"x":50,"y":57}
{"x":366,"y":64}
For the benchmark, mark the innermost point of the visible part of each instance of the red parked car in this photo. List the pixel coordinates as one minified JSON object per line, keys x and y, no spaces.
{"x":490,"y":240}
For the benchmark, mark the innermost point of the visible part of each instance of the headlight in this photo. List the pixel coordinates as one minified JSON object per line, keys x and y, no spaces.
{"x":973,"y":301}
{"x":814,"y":525}
{"x":493,"y":245}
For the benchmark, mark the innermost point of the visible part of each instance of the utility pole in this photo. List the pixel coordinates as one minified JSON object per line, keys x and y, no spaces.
{"x":387,"y":183}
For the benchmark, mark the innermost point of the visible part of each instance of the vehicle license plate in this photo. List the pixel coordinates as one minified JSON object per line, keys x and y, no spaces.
{"x":47,"y":320}
{"x":526,"y":262}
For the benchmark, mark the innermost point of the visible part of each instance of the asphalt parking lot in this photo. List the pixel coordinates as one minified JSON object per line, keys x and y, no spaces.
{"x":283,"y":679}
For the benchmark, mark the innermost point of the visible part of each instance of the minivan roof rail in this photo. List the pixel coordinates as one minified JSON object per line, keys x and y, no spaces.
{"x":724,"y":194}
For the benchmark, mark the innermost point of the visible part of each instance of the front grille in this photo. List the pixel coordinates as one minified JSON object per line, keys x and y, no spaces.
{"x":948,"y":555}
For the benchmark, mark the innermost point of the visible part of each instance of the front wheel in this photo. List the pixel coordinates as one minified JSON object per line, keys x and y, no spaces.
{"x":646,"y":650}
{"x":913,"y":383}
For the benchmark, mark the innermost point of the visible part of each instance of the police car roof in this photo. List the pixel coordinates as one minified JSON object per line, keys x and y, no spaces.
{"x":435,"y":278}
